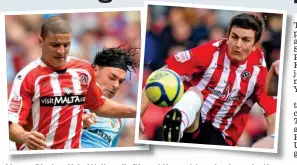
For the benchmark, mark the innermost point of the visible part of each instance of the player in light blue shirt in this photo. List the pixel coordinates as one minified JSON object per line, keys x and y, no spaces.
{"x":110,"y":66}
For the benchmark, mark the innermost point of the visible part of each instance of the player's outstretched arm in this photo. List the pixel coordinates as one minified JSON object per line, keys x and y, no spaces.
{"x":268,"y":141}
{"x":113,"y":109}
{"x":270,"y":124}
{"x":272,"y":79}
{"x":34,"y":140}
{"x":144,"y":103}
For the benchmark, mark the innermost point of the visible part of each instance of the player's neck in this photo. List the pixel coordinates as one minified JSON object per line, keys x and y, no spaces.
{"x":47,"y":64}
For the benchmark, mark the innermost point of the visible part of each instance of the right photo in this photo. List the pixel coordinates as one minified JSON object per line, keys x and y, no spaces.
{"x":211,"y":77}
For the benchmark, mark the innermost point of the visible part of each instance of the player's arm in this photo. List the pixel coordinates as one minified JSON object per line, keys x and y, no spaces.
{"x":19,"y":107}
{"x":113,"y":109}
{"x":16,"y":133}
{"x":268,"y":104}
{"x":34,"y":140}
{"x":185,"y":63}
{"x":145,"y":102}
{"x":268,"y":141}
{"x":272,"y":79}
{"x":270,"y":124}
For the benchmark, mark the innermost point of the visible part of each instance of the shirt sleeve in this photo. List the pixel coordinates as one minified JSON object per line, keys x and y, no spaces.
{"x":268,"y":103}
{"x":20,"y":99}
{"x":195,"y":60}
{"x":94,"y":97}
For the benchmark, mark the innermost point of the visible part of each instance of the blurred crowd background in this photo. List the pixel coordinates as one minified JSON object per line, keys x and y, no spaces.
{"x":91,"y":33}
{"x":173,"y":29}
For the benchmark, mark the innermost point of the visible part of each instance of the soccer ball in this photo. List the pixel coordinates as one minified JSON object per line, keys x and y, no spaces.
{"x":164,"y":87}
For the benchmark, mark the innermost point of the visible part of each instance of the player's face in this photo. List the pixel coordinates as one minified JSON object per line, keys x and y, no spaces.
{"x":241,"y":42}
{"x":55,"y":49}
{"x":110,"y":79}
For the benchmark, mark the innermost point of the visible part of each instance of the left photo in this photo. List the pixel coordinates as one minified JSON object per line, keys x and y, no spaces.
{"x":72,"y":80}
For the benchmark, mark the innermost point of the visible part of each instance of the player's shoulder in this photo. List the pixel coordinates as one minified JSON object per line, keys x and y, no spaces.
{"x":209,"y":47}
{"x":205,"y":52}
{"x":78,"y":61}
{"x":214,"y":44}
{"x":29,"y":69}
{"x":218,"y":44}
{"x":257,"y":58}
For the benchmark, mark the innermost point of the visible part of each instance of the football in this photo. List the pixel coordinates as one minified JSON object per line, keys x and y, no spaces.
{"x":164,"y":87}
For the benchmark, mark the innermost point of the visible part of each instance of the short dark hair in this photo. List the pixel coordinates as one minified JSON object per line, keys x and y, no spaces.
{"x":248,"y":21}
{"x":56,"y":25}
{"x":122,"y":56}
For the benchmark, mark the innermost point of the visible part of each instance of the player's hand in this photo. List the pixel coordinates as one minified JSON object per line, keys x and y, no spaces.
{"x":88,"y":120}
{"x":34,"y":140}
{"x":275,"y":65}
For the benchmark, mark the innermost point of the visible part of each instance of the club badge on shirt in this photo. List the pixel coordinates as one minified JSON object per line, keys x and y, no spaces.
{"x":245,"y":75}
{"x":114,"y":123}
{"x":84,"y":79}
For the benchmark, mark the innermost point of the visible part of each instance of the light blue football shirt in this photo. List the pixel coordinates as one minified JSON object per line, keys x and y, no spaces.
{"x":104,"y":133}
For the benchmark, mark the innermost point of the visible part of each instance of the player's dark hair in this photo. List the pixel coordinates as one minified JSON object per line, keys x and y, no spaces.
{"x":121,"y":57}
{"x":248,"y":21}
{"x":56,"y":25}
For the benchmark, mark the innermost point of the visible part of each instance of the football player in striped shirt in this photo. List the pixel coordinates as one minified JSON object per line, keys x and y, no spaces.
{"x":223,"y":79}
{"x":48,"y":96}
{"x":110,"y":66}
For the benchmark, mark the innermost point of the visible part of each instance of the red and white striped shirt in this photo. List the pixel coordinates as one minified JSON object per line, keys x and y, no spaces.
{"x":229,"y":89}
{"x":52,"y":102}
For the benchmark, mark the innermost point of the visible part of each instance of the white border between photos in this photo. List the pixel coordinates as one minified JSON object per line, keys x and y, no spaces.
{"x":130,"y":148}
{"x":191,"y":5}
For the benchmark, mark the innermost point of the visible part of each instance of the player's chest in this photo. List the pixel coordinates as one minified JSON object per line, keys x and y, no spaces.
{"x":60,"y":89}
{"x":230,"y":83}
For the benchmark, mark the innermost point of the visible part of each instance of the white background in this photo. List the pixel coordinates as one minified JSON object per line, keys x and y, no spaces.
{"x":159,"y":154}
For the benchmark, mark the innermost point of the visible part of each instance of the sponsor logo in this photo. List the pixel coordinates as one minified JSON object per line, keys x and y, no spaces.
{"x":100,"y":133}
{"x":15,"y":104}
{"x":183,"y":56}
{"x":62,"y":100}
{"x":226,"y":95}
